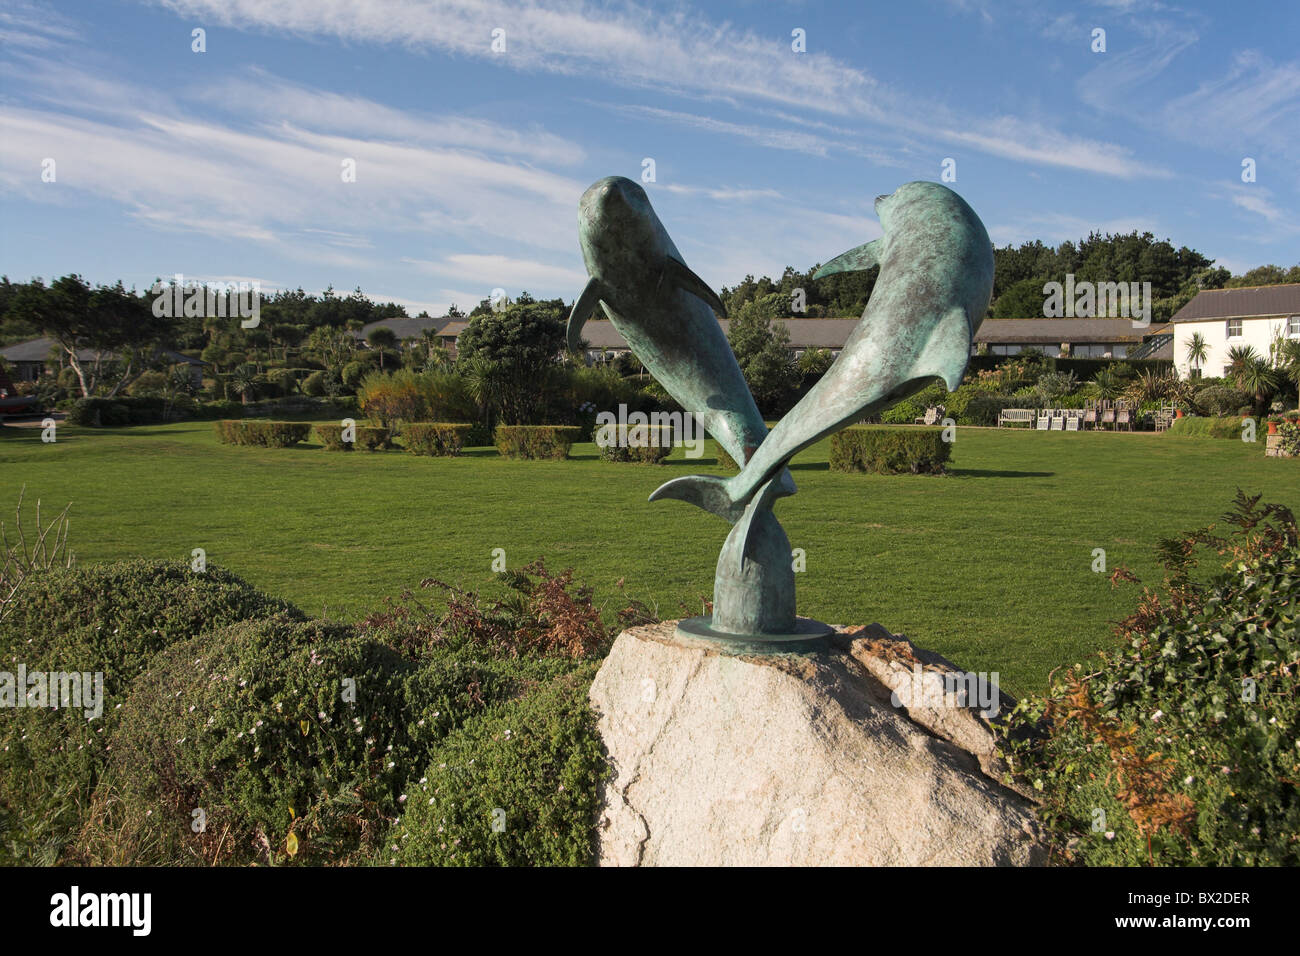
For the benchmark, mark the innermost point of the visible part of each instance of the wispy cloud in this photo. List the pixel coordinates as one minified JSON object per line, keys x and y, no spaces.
{"x":669,"y":51}
{"x":1255,"y":103}
{"x":1032,"y":142}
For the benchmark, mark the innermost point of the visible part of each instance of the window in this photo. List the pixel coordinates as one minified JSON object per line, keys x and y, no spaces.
{"x":1234,"y":328}
{"x":1194,"y":373}
{"x":1293,"y":325}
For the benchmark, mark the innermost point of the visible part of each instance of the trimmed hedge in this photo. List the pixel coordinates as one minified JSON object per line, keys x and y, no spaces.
{"x":444,"y":439}
{"x":724,"y":459}
{"x":881,"y":450}
{"x":262,"y":434}
{"x":368,"y":436}
{"x":1228,"y":426}
{"x":550,"y":442}
{"x":117,"y":412}
{"x":644,"y":444}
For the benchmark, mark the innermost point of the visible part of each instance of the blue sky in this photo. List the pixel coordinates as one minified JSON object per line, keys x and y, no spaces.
{"x":469,"y":162}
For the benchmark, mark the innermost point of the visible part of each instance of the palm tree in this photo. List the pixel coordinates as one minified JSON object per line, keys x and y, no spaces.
{"x":1240,"y":356}
{"x":242,"y":381}
{"x":1198,"y":350}
{"x":380,"y":339}
{"x":1261,"y":380}
{"x":1289,"y":360}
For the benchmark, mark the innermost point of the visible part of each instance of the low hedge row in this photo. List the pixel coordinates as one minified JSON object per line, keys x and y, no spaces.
{"x":117,"y":412}
{"x":369,"y":437}
{"x":551,"y":442}
{"x":262,"y":434}
{"x":881,"y":450}
{"x":1228,"y":426}
{"x":444,"y":439}
{"x":644,"y":444}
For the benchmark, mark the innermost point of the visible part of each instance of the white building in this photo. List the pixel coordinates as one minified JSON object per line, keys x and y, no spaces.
{"x":1227,"y":318}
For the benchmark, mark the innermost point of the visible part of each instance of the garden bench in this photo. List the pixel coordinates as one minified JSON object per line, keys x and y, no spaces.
{"x":1016,"y":416}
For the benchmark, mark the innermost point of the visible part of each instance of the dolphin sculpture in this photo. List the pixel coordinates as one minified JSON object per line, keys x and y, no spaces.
{"x":665,"y":312}
{"x":936,"y":279}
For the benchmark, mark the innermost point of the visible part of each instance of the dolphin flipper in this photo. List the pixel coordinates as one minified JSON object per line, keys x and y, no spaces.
{"x":587,"y":303}
{"x":679,"y":274}
{"x":856,"y":259}
{"x":947,"y":351}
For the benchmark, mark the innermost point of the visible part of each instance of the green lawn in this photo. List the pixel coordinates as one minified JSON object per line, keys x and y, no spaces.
{"x":990,"y":566}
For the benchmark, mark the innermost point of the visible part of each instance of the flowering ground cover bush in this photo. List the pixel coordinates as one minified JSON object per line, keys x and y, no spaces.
{"x":1179,"y":746}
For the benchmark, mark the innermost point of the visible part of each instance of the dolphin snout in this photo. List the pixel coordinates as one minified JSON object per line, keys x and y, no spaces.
{"x":879,"y":200}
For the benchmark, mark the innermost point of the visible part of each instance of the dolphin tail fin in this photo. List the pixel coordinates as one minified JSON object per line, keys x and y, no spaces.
{"x":680,"y":275}
{"x":856,"y":259}
{"x":715,"y":495}
{"x":587,"y":303}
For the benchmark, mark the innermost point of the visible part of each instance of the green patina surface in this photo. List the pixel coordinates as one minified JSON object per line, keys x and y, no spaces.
{"x":936,"y":277}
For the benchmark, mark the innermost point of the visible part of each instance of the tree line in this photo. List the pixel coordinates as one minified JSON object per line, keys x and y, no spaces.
{"x":1019,"y":274}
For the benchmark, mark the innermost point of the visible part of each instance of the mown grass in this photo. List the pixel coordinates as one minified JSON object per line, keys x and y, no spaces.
{"x":990,"y":566}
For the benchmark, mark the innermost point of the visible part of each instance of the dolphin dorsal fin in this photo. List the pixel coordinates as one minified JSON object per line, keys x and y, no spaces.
{"x":680,"y":275}
{"x":587,"y":303}
{"x":857,"y":259}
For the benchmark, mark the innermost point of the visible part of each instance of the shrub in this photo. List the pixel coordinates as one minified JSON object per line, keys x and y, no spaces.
{"x":407,"y":396}
{"x":644,"y":444}
{"x":1182,"y":734}
{"x":284,"y":379}
{"x":536,"y":441}
{"x":108,"y":619}
{"x":1290,"y":441}
{"x":352,"y":374}
{"x":262,"y":434}
{"x":435,"y":438}
{"x":255,"y":725}
{"x":147,"y":383}
{"x":116,"y":412}
{"x":520,"y":786}
{"x":219,"y":409}
{"x":882,"y":450}
{"x":984,"y":409}
{"x":369,"y":437}
{"x":1218,"y":400}
{"x":314,"y":384}
{"x":1193,"y":427}
{"x":910,"y":409}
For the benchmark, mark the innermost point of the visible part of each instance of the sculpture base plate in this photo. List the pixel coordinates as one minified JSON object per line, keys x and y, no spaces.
{"x":808,"y":635}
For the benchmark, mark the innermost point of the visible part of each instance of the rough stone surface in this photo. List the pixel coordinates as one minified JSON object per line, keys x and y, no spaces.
{"x":797,"y":759}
